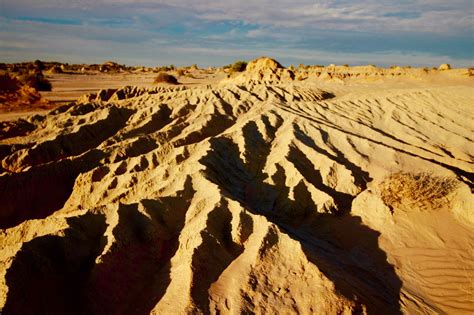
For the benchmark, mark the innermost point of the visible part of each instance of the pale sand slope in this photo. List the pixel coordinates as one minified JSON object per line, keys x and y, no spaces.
{"x":256,"y":195}
{"x":69,"y":87}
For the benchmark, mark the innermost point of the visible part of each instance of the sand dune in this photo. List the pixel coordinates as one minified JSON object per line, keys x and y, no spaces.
{"x":260,"y":194}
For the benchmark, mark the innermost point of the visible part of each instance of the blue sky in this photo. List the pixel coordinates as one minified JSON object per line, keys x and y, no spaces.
{"x":212,"y":32}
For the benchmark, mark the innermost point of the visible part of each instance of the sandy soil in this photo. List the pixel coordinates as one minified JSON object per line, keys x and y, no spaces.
{"x":262,"y":193}
{"x":68,"y":87}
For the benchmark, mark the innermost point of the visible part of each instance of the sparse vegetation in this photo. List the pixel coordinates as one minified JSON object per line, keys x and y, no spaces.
{"x":238,"y":66}
{"x":423,"y":190}
{"x":36,"y":81}
{"x":180,"y":72}
{"x":164,"y":77}
{"x":8,"y":83}
{"x":166,"y":68}
{"x":38,"y":65}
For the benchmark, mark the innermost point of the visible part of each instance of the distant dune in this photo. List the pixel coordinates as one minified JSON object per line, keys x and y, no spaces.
{"x":317,"y":190}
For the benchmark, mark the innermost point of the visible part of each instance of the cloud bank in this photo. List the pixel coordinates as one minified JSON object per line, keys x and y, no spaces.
{"x":417,"y":32}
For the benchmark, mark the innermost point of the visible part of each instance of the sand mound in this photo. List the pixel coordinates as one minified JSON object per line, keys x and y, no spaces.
{"x":263,"y":70}
{"x":263,"y":63}
{"x":444,"y":66}
{"x":239,"y":198}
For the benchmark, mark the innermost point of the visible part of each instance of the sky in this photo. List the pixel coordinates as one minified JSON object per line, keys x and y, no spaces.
{"x":215,"y":33}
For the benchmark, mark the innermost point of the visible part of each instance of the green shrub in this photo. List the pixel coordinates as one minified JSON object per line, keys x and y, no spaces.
{"x":238,"y":66}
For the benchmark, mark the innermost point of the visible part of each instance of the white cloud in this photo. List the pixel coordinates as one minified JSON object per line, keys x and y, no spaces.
{"x":433,"y":16}
{"x":288,"y":30}
{"x":29,"y":43}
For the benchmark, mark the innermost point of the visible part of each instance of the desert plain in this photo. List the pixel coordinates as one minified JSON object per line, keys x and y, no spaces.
{"x":272,"y":190}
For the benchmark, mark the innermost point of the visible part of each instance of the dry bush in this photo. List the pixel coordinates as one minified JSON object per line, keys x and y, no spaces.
{"x":238,"y":66}
{"x":180,"y":72}
{"x":38,"y":65}
{"x":36,"y":81}
{"x":8,"y":83}
{"x":164,"y":77}
{"x":166,"y":68}
{"x":423,"y":190}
